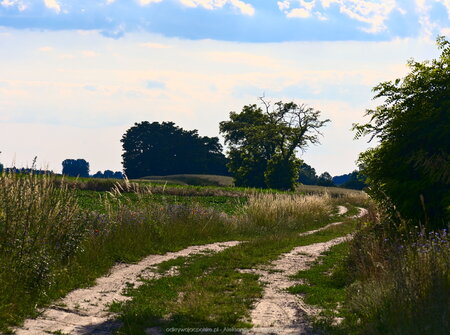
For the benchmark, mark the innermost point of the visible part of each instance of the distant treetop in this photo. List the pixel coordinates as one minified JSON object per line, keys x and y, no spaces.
{"x":160,"y":149}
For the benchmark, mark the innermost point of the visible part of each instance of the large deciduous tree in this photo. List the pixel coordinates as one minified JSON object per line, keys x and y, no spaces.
{"x":75,"y":168}
{"x":409,"y":171}
{"x":263,"y":142}
{"x":159,"y":149}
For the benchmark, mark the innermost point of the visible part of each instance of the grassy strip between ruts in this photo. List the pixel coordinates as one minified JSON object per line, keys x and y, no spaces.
{"x":209,"y":292}
{"x":324,"y":283}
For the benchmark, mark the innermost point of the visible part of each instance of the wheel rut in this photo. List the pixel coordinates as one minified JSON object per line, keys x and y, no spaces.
{"x":279,"y":312}
{"x":85,"y":311}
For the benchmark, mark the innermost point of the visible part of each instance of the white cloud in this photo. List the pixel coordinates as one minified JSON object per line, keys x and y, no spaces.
{"x":242,"y":6}
{"x":245,"y":8}
{"x":429,"y":28}
{"x":145,"y":2}
{"x":244,"y":58}
{"x":53,"y":4}
{"x":445,"y":32}
{"x":372,"y":12}
{"x":284,"y":5}
{"x":21,"y":6}
{"x":153,"y":45}
{"x":302,"y":13}
{"x":446,"y":3}
{"x":89,"y":53}
{"x":206,"y":75}
{"x":45,"y":49}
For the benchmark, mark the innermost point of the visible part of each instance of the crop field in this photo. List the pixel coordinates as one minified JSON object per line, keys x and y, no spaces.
{"x":203,"y":254}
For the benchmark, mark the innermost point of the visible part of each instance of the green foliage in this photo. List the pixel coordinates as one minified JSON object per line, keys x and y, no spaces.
{"x":409,"y":171}
{"x":161,"y":149}
{"x":75,"y":168}
{"x":263,"y":143}
{"x":307,"y":175}
{"x":325,"y":179}
{"x":356,"y":181}
{"x":280,"y":173}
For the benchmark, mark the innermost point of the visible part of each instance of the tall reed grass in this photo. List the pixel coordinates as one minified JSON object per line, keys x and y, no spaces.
{"x":40,"y":226}
{"x":285,"y":212}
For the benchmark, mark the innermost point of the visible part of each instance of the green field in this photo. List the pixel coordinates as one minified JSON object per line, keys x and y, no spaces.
{"x":193,"y":179}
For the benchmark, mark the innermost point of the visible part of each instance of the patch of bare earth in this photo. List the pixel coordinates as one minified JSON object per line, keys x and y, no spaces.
{"x":279,"y":312}
{"x":85,"y":311}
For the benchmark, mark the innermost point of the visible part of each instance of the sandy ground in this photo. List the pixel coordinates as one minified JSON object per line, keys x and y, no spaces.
{"x":84,"y":311}
{"x":279,"y":312}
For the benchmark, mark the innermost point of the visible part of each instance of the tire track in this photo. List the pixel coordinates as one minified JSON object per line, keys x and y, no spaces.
{"x":84,"y":311}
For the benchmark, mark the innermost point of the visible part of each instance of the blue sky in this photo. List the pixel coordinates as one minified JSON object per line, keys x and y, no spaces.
{"x":74,"y":75}
{"x":234,"y":20}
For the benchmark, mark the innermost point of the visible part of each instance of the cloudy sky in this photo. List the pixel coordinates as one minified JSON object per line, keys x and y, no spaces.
{"x":75,"y":74}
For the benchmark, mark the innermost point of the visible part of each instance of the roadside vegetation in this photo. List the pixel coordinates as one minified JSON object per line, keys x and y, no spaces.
{"x":51,"y":245}
{"x":394,"y":277}
{"x":55,"y":238}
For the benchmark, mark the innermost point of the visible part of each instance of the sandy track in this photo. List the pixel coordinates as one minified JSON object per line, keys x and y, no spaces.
{"x":279,"y":312}
{"x":342,"y":210}
{"x":84,"y":311}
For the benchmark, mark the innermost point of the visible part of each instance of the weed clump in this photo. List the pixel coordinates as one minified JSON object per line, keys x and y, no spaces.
{"x":402,"y":283}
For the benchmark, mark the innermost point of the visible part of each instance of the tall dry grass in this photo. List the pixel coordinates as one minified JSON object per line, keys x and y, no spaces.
{"x":285,"y":212}
{"x":40,"y":226}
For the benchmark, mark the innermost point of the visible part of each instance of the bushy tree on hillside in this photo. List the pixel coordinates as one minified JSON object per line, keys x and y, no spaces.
{"x":307,"y":175}
{"x":75,"y":168}
{"x":108,"y":174}
{"x":409,"y":171}
{"x":263,"y":142}
{"x":325,"y":179}
{"x":159,"y":149}
{"x":356,"y":181}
